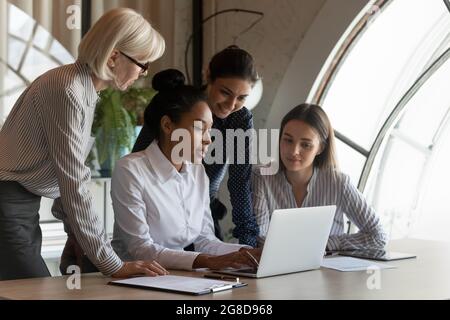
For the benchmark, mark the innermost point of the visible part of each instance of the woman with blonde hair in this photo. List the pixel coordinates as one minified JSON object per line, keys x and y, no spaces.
{"x":44,"y":143}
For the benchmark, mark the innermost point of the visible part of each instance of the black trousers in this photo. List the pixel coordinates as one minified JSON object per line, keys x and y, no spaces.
{"x":20,"y":233}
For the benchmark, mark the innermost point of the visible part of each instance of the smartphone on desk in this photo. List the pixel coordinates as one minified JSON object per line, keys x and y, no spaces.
{"x":377,"y":254}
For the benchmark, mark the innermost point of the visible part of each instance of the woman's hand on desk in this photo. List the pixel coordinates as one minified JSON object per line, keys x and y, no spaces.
{"x":238,"y":259}
{"x":134,"y":268}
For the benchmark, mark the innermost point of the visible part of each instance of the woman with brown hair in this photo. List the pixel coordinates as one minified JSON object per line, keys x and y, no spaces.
{"x":309,"y":177}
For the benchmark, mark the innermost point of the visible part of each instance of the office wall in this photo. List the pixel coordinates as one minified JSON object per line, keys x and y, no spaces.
{"x":311,"y":54}
{"x":172,"y":18}
{"x":289,"y":45}
{"x":273,"y":41}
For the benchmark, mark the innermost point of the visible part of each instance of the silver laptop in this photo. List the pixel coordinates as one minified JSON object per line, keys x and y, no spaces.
{"x":296,"y":241}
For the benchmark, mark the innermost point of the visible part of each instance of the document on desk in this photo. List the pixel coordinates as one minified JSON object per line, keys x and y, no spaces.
{"x":347,"y":264}
{"x":179,"y":284}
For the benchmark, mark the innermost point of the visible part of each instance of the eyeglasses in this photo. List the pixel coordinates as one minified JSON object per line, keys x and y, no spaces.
{"x":144,"y":67}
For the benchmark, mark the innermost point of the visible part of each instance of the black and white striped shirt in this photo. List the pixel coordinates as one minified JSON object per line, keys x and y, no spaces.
{"x":326,"y":187}
{"x":44,"y":144}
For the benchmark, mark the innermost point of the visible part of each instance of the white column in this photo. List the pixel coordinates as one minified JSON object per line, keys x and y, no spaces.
{"x":42,"y":13}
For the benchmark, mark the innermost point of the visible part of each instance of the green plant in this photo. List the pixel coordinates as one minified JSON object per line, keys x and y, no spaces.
{"x":135,"y":100}
{"x":116,"y":116}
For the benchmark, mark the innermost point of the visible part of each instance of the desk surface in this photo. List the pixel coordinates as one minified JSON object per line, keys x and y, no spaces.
{"x":426,"y":277}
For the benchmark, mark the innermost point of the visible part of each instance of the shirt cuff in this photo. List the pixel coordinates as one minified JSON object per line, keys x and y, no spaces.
{"x":110,"y":265}
{"x":177,"y":259}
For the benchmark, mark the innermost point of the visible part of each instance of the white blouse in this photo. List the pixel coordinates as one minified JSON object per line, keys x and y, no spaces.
{"x":159,"y":211}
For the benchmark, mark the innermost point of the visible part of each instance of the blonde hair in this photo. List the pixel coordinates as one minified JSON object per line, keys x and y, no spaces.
{"x":122,"y":29}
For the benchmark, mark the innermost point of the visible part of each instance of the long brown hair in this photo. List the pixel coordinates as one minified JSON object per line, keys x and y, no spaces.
{"x":315,"y":116}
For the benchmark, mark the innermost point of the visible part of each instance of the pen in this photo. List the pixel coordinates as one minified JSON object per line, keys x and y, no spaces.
{"x":253,"y":258}
{"x":221,"y":277}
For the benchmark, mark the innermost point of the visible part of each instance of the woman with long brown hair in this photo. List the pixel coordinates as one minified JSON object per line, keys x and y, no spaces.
{"x":309,"y":177}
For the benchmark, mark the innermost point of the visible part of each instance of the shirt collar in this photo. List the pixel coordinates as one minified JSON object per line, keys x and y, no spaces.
{"x":91,"y":94}
{"x":163,"y":168}
{"x":311,"y":182}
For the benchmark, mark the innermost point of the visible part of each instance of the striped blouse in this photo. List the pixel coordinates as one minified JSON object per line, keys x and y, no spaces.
{"x":326,"y":187}
{"x":44,"y":144}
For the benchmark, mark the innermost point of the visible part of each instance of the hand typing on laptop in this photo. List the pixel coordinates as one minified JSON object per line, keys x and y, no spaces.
{"x":254,"y":255}
{"x":244,"y":258}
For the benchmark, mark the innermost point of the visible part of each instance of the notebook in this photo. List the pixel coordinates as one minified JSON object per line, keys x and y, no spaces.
{"x":347,"y":264}
{"x":377,"y":254}
{"x":179,"y":284}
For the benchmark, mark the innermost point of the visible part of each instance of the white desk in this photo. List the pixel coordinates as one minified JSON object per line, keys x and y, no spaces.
{"x":426,"y":277}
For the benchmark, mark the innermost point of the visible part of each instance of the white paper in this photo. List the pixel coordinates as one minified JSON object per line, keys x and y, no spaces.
{"x":352,"y":264}
{"x":178,"y":283}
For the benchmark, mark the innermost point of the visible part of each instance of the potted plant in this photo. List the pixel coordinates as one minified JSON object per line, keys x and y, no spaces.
{"x":118,"y":117}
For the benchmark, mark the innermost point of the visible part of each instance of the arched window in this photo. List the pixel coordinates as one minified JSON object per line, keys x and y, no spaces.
{"x":385,"y":88}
